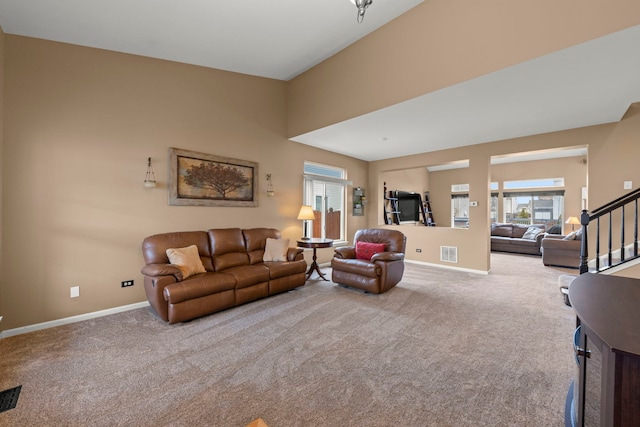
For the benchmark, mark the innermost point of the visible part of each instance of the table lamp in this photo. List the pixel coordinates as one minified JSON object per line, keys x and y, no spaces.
{"x":573,"y":221}
{"x":306,"y":214}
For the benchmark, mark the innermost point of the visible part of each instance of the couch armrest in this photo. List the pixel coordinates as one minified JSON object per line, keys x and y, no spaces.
{"x":345,"y":252}
{"x":553,"y":236}
{"x":156,"y":270}
{"x":387,"y":256}
{"x":293,"y":254}
{"x":561,"y":244}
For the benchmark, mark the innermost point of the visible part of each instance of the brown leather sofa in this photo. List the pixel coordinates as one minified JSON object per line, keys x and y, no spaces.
{"x":507,"y":237}
{"x":235,"y":271}
{"x":380,"y":273}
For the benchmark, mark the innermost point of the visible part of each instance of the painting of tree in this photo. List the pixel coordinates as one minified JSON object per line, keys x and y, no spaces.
{"x":207,"y":180}
{"x":225,"y":179}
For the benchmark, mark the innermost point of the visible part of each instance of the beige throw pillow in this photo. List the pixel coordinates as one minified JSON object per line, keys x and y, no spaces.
{"x":276,"y":249}
{"x":187,"y":260}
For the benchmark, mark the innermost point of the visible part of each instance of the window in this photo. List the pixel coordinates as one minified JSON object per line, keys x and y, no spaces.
{"x":494,"y":207}
{"x":460,"y":210}
{"x":460,"y":206}
{"x":325,"y":191}
{"x":534,"y":183}
{"x":534,"y":207}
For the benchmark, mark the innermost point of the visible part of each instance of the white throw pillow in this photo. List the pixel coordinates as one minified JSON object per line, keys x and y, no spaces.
{"x":532,"y":232}
{"x":570,"y":236}
{"x":276,"y":249}
{"x":187,"y":260}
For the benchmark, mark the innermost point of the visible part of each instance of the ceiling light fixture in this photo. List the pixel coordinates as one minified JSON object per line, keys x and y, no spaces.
{"x":362,"y":6}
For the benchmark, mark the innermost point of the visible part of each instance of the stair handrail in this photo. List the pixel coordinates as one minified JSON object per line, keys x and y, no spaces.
{"x":614,"y":204}
{"x":607,"y":208}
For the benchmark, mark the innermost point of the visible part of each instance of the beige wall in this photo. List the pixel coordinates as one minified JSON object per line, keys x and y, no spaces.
{"x":440,"y":43}
{"x":609,"y":170}
{"x":79,"y":126}
{"x":2,"y":38}
{"x":438,"y":183}
{"x":80,"y":123}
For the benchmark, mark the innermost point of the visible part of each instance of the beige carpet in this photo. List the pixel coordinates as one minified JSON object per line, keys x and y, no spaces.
{"x":442,"y":348}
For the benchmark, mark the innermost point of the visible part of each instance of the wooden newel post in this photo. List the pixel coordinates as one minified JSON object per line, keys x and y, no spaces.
{"x":584,"y":246}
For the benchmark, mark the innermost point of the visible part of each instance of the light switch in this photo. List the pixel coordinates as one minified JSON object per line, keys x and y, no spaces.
{"x":628,"y":185}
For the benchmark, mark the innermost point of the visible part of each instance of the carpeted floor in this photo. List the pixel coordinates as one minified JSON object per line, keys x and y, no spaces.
{"x":443,"y":348}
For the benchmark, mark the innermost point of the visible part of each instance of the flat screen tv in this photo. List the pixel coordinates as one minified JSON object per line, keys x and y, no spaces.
{"x":409,"y":204}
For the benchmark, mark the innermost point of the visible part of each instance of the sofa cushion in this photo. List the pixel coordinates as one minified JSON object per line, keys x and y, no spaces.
{"x":365,"y":250}
{"x":532,"y":232}
{"x":276,"y":250}
{"x":284,"y":269}
{"x":227,"y":248}
{"x":570,"y":236}
{"x":198,"y":286}
{"x":357,"y":267}
{"x":501,"y":230}
{"x":186,"y":259}
{"x":154,"y":248}
{"x":519,"y":230}
{"x":256,"y":240}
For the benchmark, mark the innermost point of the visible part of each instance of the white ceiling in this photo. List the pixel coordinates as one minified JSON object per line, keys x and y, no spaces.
{"x":278,"y":39}
{"x":588,"y":84}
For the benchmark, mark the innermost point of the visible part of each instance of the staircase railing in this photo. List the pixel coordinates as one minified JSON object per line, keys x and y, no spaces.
{"x":605,"y":214}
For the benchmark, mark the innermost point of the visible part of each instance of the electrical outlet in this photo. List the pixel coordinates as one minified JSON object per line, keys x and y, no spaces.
{"x":75,"y":291}
{"x":418,"y":250}
{"x":127,"y":283}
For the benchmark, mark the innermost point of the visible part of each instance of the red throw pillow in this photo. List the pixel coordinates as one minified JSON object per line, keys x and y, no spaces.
{"x":365,"y":250}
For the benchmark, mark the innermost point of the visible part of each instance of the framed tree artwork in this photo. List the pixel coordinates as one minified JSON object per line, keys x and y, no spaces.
{"x":199,"y":179}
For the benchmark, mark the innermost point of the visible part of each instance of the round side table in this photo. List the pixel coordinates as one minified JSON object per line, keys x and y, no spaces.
{"x":314,"y":244}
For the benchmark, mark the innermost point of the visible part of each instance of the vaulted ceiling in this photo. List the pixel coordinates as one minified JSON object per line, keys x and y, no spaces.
{"x":590,"y":83}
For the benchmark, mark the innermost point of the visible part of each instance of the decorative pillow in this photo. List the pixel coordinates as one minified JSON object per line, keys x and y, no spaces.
{"x":276,"y":249}
{"x":570,"y":236}
{"x":187,"y":260}
{"x":532,"y":232}
{"x":365,"y":250}
{"x":556,"y":229}
{"x":579,"y":234}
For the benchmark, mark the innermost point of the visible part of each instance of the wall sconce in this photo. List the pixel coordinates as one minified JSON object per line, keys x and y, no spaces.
{"x":573,"y":221}
{"x":150,"y":178}
{"x":306,"y":214}
{"x":270,"y":191}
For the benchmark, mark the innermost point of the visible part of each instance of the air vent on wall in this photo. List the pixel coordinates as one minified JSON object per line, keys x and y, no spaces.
{"x":449,"y":254}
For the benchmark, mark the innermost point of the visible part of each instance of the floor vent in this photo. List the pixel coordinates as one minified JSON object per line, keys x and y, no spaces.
{"x":9,"y":398}
{"x":449,"y":254}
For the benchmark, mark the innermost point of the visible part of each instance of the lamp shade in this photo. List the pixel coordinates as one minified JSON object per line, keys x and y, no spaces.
{"x":572,"y":220}
{"x":306,"y":213}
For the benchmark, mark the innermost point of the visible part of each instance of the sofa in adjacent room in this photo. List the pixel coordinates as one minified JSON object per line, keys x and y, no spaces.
{"x":194,"y":273}
{"x":517,"y":238}
{"x":562,"y":251}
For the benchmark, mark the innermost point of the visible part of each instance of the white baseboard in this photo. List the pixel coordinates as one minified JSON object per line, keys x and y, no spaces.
{"x":448,"y":267}
{"x":72,"y":319}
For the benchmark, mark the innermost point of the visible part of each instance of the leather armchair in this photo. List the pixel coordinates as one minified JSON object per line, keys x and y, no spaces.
{"x":379,"y":274}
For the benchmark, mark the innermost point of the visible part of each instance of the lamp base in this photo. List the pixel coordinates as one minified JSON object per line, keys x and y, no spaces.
{"x":305,"y":238}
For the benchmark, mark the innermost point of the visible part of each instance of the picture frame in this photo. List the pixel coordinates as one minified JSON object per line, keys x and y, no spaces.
{"x":200,"y":179}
